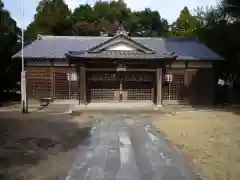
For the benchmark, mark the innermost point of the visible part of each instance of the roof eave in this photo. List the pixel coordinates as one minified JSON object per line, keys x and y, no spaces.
{"x":35,"y":58}
{"x":120,"y":58}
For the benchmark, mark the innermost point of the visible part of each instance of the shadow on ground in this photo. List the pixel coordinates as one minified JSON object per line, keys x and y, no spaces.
{"x":9,"y":99}
{"x":27,"y":140}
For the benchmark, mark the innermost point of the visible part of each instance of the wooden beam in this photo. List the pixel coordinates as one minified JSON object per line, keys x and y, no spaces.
{"x":82,"y":81}
{"x":115,"y":69}
{"x":54,"y":69}
{"x":159,"y":79}
{"x":52,"y":82}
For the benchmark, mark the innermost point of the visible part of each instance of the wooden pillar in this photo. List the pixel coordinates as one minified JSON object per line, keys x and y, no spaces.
{"x":82,"y":82}
{"x":52,"y":82}
{"x":159,"y":83}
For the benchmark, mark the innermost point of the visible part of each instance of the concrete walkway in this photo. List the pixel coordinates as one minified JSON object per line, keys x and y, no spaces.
{"x":126,"y":147}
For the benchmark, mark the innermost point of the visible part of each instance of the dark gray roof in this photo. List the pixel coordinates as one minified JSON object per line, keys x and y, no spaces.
{"x":58,"y":46}
{"x":191,"y":50}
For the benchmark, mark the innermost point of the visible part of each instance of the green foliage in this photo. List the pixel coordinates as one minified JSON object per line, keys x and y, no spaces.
{"x":148,"y":23}
{"x":52,"y":17}
{"x":221,"y":33}
{"x":114,"y":11}
{"x":232,"y":8}
{"x":185,"y":25}
{"x":85,"y":13}
{"x":8,"y":38}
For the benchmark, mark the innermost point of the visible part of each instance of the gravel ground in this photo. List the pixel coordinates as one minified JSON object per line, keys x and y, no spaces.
{"x":210,"y":139}
{"x":39,"y":146}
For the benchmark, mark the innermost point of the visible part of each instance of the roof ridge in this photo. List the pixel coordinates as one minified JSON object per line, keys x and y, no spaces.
{"x":42,"y":36}
{"x":184,"y":39}
{"x":71,"y":37}
{"x":147,"y":38}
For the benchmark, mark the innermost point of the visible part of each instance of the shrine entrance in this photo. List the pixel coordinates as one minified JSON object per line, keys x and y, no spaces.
{"x":120,"y":86}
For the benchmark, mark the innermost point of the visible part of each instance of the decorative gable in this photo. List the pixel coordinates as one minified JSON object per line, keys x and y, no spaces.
{"x":121,"y":43}
{"x":120,"y":47}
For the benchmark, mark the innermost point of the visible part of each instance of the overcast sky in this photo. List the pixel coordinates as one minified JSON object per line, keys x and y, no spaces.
{"x":169,"y":9}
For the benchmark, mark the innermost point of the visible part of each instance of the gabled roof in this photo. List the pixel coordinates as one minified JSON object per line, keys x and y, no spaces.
{"x":131,"y":50}
{"x":121,"y":39}
{"x":56,"y":47}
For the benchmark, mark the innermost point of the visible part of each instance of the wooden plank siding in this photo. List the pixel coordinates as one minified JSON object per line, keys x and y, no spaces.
{"x":189,"y":86}
{"x":39,"y":82}
{"x":199,"y":83}
{"x":192,"y":82}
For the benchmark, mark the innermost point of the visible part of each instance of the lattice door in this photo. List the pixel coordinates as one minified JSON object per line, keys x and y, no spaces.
{"x":138,"y":86}
{"x":120,"y":86}
{"x":173,"y":87}
{"x":66,"y":86}
{"x":103,"y":86}
{"x":39,"y":83}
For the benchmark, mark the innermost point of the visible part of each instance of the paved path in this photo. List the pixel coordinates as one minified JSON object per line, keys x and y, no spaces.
{"x":126,"y":147}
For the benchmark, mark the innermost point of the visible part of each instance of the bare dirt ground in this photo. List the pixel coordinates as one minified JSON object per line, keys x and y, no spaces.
{"x":209,"y":139}
{"x":39,"y":146}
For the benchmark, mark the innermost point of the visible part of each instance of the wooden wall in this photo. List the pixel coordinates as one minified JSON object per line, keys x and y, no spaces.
{"x":39,"y":82}
{"x":193,"y":83}
{"x":51,"y":82}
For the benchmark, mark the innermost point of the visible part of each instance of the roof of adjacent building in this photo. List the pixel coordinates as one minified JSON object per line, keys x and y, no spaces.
{"x":59,"y":46}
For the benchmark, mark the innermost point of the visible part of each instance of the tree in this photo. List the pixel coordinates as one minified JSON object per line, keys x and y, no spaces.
{"x":84,"y":12}
{"x":112,"y":11}
{"x":185,"y":25}
{"x":106,"y":17}
{"x":111,"y":15}
{"x":87,"y":23}
{"x":232,"y":8}
{"x":221,"y":34}
{"x":8,"y":37}
{"x":53,"y":17}
{"x":147,"y":23}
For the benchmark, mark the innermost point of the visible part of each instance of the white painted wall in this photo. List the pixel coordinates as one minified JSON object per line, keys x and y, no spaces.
{"x":191,"y":64}
{"x":45,"y":62}
{"x":60,"y":63}
{"x":200,"y":64}
{"x":178,"y":64}
{"x":120,"y":47}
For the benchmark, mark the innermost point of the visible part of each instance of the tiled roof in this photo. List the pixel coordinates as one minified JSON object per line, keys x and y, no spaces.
{"x":58,"y":46}
{"x":191,"y":50}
